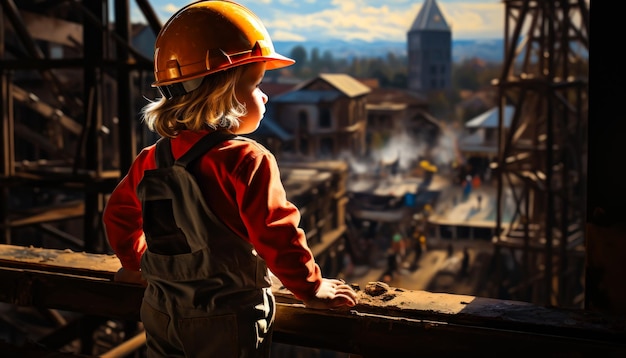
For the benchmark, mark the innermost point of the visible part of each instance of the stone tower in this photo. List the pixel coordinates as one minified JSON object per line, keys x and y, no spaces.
{"x":429,"y":44}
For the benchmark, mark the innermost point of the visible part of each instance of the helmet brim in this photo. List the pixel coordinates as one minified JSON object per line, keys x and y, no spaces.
{"x":273,"y":62}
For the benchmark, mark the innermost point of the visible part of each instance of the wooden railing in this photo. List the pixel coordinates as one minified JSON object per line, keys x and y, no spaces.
{"x":389,"y":322}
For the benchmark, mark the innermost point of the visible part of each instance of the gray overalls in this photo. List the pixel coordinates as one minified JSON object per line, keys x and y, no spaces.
{"x":208,"y":295}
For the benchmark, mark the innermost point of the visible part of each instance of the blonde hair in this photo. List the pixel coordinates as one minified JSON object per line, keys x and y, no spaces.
{"x":212,"y":105}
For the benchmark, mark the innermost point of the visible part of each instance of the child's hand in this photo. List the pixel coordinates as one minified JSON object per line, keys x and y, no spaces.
{"x":333,"y":294}
{"x":129,"y":276}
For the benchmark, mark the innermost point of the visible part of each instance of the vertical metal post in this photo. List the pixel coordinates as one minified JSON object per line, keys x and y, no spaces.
{"x":94,"y":55}
{"x":126,"y":127}
{"x":7,"y":153}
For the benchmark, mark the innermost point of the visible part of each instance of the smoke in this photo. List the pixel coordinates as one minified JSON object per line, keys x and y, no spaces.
{"x":405,"y":152}
{"x":403,"y":149}
{"x":447,"y":150}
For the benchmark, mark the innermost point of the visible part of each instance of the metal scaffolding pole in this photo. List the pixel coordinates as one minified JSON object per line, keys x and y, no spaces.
{"x":541,"y":169}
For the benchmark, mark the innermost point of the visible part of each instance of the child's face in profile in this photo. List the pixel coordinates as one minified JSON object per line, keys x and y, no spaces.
{"x":248,"y":93}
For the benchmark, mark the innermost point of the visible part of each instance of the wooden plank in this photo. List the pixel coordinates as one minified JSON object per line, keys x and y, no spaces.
{"x":59,"y":261}
{"x":380,"y":336}
{"x":46,"y":110}
{"x":362,"y":330}
{"x":69,"y":210}
{"x":386,"y":320}
{"x":74,"y":293}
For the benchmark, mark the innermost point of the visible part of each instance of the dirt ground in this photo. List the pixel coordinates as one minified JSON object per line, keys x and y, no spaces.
{"x":447,"y":266}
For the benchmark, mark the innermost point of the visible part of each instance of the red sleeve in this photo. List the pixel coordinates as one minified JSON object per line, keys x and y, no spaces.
{"x":122,"y":214}
{"x":243,"y":180}
{"x":272,"y":225}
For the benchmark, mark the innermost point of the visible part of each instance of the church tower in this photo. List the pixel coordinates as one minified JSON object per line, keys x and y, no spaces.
{"x":429,"y":44}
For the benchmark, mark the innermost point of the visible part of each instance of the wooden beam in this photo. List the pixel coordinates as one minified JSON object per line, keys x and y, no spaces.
{"x":56,"y":212}
{"x":370,"y":335}
{"x":59,"y":261}
{"x":387,"y":320}
{"x":74,"y":293}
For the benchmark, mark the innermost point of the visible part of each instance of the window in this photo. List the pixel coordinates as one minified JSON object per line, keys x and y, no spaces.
{"x":303,"y":121}
{"x":325,"y":118}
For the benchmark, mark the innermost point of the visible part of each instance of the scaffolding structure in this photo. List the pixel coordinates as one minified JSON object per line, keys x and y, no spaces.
{"x":541,"y":166}
{"x":69,"y":78}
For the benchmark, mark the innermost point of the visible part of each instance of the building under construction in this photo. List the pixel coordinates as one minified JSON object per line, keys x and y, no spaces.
{"x":542,"y":155}
{"x":71,"y":86}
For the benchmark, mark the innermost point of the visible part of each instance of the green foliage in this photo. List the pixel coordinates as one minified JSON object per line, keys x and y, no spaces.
{"x":390,"y":71}
{"x":299,"y":54}
{"x":474,"y":74}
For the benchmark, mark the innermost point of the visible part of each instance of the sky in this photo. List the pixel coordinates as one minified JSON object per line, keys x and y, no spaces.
{"x":366,"y":20}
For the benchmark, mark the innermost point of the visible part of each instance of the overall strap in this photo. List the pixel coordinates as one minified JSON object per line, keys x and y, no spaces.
{"x":163,"y":153}
{"x":204,"y":145}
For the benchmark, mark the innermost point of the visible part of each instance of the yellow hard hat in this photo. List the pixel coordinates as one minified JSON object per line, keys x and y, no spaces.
{"x":205,"y":37}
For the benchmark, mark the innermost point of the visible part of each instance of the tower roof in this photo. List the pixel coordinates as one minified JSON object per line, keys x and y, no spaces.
{"x":430,"y":18}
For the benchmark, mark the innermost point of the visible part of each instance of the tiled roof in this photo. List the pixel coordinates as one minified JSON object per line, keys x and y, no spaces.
{"x":489,"y":119}
{"x":346,"y":84}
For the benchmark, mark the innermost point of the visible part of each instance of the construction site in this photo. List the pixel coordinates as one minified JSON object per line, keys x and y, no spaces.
{"x":529,"y":262}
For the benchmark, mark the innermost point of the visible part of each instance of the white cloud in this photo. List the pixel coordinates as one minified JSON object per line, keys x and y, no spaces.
{"x":286,"y":36}
{"x":171,"y":8}
{"x":471,"y":20}
{"x":364,"y":19}
{"x":350,"y":20}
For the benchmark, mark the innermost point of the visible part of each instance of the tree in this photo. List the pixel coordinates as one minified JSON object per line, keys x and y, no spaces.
{"x":299,"y":54}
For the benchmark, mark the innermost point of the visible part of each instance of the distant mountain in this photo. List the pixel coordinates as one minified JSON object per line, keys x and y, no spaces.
{"x":491,"y":50}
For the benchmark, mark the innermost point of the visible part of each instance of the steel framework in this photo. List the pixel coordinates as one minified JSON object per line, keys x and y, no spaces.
{"x":68,"y":75}
{"x":541,"y":165}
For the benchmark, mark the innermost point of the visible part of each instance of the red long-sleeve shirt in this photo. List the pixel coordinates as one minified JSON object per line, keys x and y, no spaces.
{"x":241,"y":182}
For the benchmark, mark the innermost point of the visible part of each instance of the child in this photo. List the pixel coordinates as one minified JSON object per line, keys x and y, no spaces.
{"x":210,"y":59}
